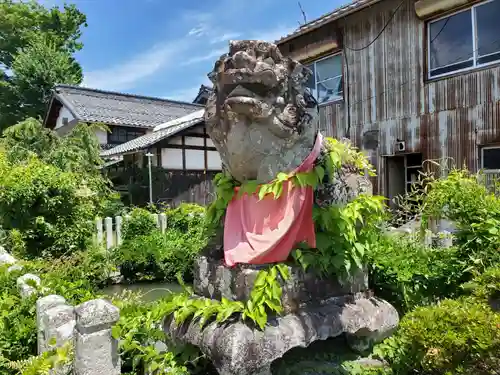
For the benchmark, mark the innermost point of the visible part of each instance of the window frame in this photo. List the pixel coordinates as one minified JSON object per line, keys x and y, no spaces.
{"x":313,"y":62}
{"x":495,"y":147}
{"x":128,"y":131}
{"x":474,"y":66}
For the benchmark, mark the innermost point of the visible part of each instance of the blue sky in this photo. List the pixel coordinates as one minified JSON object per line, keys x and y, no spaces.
{"x":165,"y":48}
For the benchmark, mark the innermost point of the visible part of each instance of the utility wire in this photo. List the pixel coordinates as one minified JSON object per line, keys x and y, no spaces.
{"x":442,"y":28}
{"x":410,"y":80}
{"x":381,"y":31}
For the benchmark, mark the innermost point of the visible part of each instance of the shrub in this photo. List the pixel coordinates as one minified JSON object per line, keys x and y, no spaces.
{"x":453,"y":337}
{"x":408,"y":274}
{"x":51,"y":210}
{"x":140,"y":223}
{"x":486,"y":287}
{"x":147,"y":254}
{"x":157,"y":256}
{"x":186,"y":217}
{"x":463,"y":199}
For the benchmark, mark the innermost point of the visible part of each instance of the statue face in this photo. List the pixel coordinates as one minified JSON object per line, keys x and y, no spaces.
{"x":258,"y":91}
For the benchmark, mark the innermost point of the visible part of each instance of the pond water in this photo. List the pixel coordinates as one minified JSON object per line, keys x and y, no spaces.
{"x":151,"y":291}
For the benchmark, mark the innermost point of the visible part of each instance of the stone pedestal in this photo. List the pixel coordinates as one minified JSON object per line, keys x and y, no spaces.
{"x":213,"y":280}
{"x":96,"y":351}
{"x":314,"y":309}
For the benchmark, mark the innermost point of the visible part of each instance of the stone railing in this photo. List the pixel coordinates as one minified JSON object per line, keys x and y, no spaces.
{"x":87,"y":327}
{"x":441,"y":235}
{"x":109,"y":231}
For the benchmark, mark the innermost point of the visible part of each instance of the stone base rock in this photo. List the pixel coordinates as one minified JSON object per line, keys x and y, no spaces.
{"x":325,"y":357}
{"x":213,"y":280}
{"x":237,"y":348}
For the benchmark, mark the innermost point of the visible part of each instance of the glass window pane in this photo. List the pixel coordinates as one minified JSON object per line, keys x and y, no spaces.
{"x":488,"y":28}
{"x":450,"y":41}
{"x":330,"y":90}
{"x":491,"y":158}
{"x":329,"y":68}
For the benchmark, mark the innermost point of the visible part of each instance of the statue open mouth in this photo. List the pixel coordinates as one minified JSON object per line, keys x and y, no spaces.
{"x":248,"y":99}
{"x":259,"y":116}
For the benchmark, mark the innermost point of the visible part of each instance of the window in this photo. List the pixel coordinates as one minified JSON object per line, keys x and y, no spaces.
{"x":490,"y":165}
{"x":326,"y":83}
{"x":121,"y":135}
{"x":490,"y":158}
{"x":464,"y":40}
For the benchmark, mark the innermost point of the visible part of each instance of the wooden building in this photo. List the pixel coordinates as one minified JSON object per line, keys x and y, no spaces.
{"x":127,"y":116}
{"x":408,"y":81}
{"x":183,"y":157}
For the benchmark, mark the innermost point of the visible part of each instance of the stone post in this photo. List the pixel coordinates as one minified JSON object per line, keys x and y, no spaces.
{"x":27,"y":284}
{"x":163,"y":222}
{"x":42,"y":305}
{"x":428,"y":238}
{"x":59,"y":325}
{"x":6,"y":258}
{"x":156,"y":218}
{"x":96,"y":351}
{"x":445,"y":239}
{"x":108,"y":227}
{"x":118,"y":230}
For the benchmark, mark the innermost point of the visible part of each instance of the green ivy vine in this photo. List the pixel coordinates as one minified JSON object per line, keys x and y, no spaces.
{"x":343,"y":234}
{"x":265,"y":298}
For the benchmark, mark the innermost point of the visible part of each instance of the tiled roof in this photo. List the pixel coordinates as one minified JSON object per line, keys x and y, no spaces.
{"x":114,"y":108}
{"x":342,"y":11}
{"x":161,"y":132}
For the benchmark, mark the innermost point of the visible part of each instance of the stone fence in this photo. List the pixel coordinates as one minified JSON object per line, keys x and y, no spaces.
{"x":109,"y":230}
{"x":87,"y":327}
{"x":442,"y":236}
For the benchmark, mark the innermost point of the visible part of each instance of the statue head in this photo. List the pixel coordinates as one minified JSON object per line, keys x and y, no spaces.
{"x":260,"y":116}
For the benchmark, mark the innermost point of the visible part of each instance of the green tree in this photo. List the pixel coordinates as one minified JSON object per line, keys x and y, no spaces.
{"x":36,"y":52}
{"x":77,"y":152}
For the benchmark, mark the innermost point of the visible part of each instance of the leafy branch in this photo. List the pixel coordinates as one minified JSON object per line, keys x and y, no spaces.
{"x":265,"y":298}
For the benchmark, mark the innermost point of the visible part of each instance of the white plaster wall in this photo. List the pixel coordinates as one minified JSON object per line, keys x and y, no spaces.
{"x":192,"y":141}
{"x":210,"y":143}
{"x":171,"y":158}
{"x":62,"y":114}
{"x":214,"y":162}
{"x":102,"y":136}
{"x":195,"y":159}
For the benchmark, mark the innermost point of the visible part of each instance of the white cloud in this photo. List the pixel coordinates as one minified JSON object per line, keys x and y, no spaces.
{"x":124,"y":75}
{"x":203,"y":33}
{"x":199,"y":30}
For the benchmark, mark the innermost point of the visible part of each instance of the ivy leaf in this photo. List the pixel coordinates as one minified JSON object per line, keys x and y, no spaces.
{"x":264,"y":190}
{"x":277,"y":187}
{"x":301,"y":179}
{"x":360,"y":248}
{"x":320,"y":172}
{"x":260,"y":281}
{"x":282,"y":177}
{"x":115,"y":332}
{"x":283,"y":270}
{"x":312,"y":179}
{"x":249,"y":187}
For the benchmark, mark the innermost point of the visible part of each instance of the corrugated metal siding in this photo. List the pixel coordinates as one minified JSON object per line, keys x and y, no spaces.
{"x":387,"y":92}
